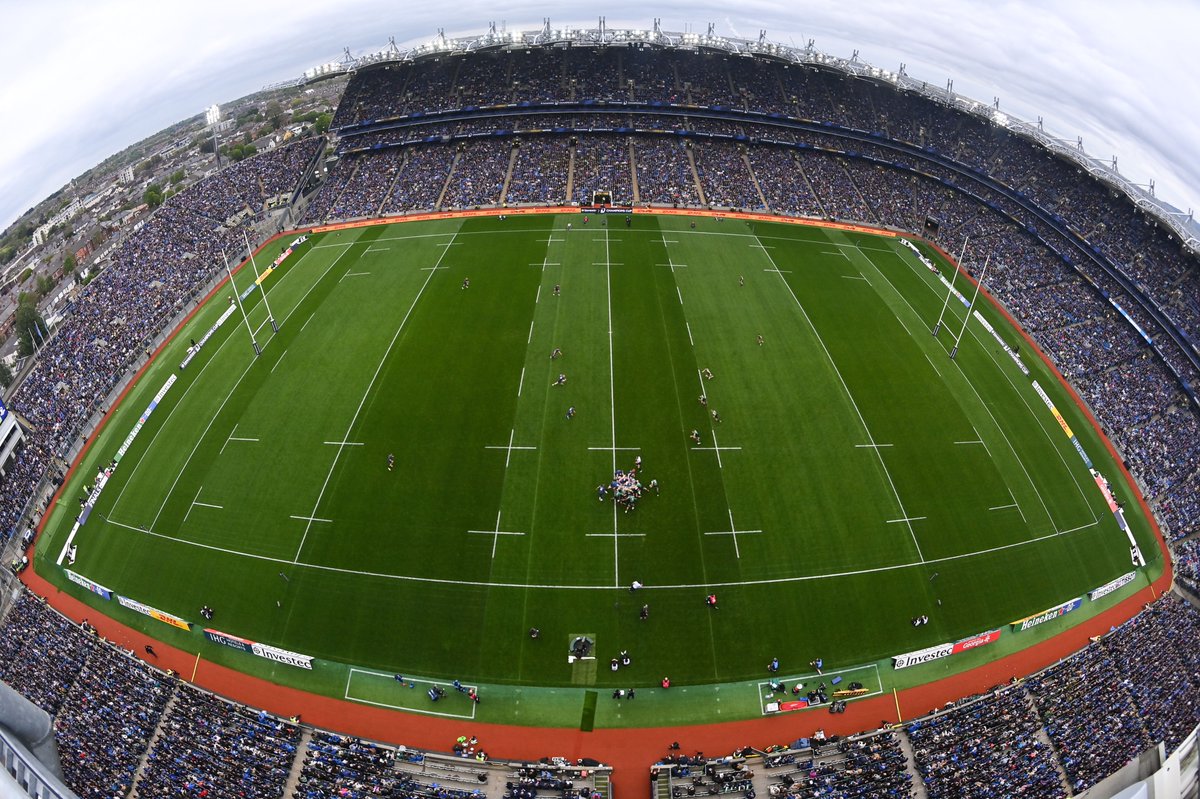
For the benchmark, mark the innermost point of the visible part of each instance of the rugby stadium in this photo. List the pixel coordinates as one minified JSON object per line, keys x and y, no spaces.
{"x":596,"y":412}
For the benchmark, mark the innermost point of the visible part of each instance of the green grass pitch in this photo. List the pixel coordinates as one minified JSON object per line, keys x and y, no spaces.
{"x":858,"y":476}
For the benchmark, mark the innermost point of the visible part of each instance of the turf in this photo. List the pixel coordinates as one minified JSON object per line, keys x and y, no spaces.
{"x":870,"y":477}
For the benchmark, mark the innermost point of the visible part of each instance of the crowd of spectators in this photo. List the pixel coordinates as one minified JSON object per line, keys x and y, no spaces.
{"x":41,"y":652}
{"x":663,"y":173}
{"x":726,"y":180}
{"x":602,"y":164}
{"x":1100,"y":707}
{"x":338,"y":766}
{"x":208,"y":746}
{"x":539,"y":175}
{"x":1090,"y":715}
{"x":104,"y":726}
{"x":867,"y":766}
{"x":366,"y":187}
{"x":987,"y":748}
{"x":420,"y":186}
{"x":152,"y":275}
{"x":479,"y":174}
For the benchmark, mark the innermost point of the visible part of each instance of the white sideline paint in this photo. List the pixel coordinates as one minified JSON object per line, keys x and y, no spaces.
{"x":367,"y":393}
{"x":574,"y":587}
{"x":849,"y":396}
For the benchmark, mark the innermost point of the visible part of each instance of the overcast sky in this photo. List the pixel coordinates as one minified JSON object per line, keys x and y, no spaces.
{"x":85,"y":79}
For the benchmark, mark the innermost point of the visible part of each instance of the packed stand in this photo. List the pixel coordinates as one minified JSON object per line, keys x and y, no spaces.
{"x":154,"y":272}
{"x":420,"y":185}
{"x":363,"y":192}
{"x":479,"y":172}
{"x":1164,"y":452}
{"x":1090,"y":716}
{"x":336,"y":765}
{"x":105,"y":725}
{"x":539,"y":175}
{"x":602,"y":164}
{"x":726,"y":181}
{"x":1157,"y":654}
{"x":41,"y":652}
{"x":863,"y":766}
{"x":988,"y":748}
{"x":207,"y":745}
{"x":663,"y":172}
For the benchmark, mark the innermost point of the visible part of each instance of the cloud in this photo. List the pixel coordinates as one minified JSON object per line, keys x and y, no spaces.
{"x":1109,"y":72}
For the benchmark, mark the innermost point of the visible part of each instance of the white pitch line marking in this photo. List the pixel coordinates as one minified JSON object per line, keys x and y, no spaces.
{"x":306,"y":321}
{"x":276,"y":366}
{"x":433,"y":268}
{"x":856,"y":277}
{"x":344,"y":443}
{"x":208,"y":505}
{"x":779,"y":271}
{"x":537,"y":296}
{"x":592,"y":587}
{"x":353,"y":274}
{"x":311,"y":519}
{"x":189,"y":510}
{"x":522,"y":382}
{"x":237,"y":438}
{"x":976,"y":441}
{"x":680,"y":293}
{"x":934,"y":365}
{"x":606,"y":263}
{"x":733,"y":531}
{"x":689,"y":330}
{"x":366,"y":394}
{"x":612,"y":535}
{"x":508,"y":458}
{"x":495,"y":534}
{"x":615,"y":449}
{"x":871,"y":446}
{"x":906,"y":519}
{"x":1004,"y":507}
{"x":549,"y":240}
{"x":850,"y":396}
{"x":528,"y":340}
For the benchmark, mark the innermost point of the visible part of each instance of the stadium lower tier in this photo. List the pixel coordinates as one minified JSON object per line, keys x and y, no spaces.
{"x":123,"y":724}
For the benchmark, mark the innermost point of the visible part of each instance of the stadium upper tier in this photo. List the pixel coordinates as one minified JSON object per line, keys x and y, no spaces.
{"x":1108,"y":293}
{"x":767,"y":98}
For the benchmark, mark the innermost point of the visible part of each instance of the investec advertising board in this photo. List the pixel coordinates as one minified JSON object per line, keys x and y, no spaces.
{"x":262,"y":650}
{"x":944,"y":650}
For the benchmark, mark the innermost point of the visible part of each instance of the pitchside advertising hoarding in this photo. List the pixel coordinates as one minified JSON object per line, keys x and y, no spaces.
{"x":262,"y":650}
{"x":154,"y":613}
{"x":1046,"y":615}
{"x":944,"y":650}
{"x":3,"y":411}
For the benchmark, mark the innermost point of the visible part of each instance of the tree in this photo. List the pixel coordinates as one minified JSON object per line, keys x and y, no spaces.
{"x":177,"y":177}
{"x":322,"y":122}
{"x":6,"y":375}
{"x":153,"y":196}
{"x":29,"y":327}
{"x":275,"y":114}
{"x":44,"y":284}
{"x":26,"y":273}
{"x":69,"y":263}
